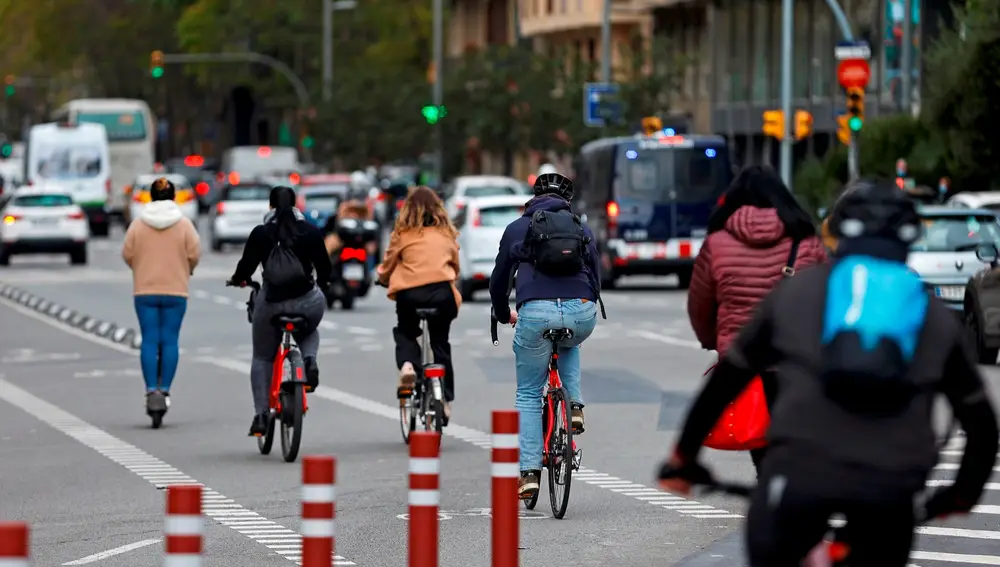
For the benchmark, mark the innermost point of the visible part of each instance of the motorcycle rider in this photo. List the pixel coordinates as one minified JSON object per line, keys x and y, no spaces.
{"x":354,"y":206}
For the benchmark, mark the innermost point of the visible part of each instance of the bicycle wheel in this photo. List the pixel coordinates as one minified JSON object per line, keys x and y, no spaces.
{"x":560,"y":454}
{"x":407,"y":417}
{"x":266,"y":441}
{"x":292,"y":409}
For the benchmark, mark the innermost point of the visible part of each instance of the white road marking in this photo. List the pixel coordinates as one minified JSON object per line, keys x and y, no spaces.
{"x":956,"y":558}
{"x":112,"y":552}
{"x":649,"y":335}
{"x":467,"y":434}
{"x":215,"y":506}
{"x":958,"y":532}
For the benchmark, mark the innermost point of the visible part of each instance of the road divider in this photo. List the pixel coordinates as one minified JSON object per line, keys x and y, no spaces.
{"x":319,"y":510}
{"x":424,"y":497}
{"x":14,"y":544}
{"x":69,"y":317}
{"x":184,"y":527}
{"x":505,"y":468}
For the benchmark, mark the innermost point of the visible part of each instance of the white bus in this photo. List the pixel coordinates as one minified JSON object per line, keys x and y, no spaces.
{"x":131,"y":133}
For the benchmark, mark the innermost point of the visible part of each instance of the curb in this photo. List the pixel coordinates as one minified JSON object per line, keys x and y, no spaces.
{"x":105,"y":330}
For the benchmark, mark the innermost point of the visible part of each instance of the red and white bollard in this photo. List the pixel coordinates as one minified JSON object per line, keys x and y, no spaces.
{"x":424,"y":497}
{"x":185,"y":527}
{"x":14,"y":544}
{"x":319,"y":510}
{"x":506,"y":469}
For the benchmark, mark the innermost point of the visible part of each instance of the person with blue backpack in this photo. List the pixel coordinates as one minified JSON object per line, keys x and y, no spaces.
{"x":558,"y":282}
{"x":861,"y":351}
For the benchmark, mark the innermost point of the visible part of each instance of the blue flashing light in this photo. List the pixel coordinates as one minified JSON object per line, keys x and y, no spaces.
{"x":669,"y":131}
{"x":710,"y":153}
{"x":631,"y":154}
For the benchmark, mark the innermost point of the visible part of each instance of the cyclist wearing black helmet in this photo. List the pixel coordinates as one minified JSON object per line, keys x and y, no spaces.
{"x":558,"y":283}
{"x":860,"y":351}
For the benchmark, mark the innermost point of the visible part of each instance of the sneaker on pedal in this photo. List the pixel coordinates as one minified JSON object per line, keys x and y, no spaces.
{"x":576,"y":411}
{"x":258,"y":427}
{"x":407,"y":378}
{"x":527,"y":485}
{"x":312,"y":373}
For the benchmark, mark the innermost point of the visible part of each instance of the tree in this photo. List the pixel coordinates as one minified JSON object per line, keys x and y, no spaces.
{"x":653,"y":72}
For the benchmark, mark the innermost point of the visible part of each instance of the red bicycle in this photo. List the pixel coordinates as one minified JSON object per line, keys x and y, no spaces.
{"x":287,"y":398}
{"x":560,"y":454}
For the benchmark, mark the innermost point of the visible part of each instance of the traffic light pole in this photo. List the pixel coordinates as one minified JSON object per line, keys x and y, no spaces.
{"x":788,"y":138}
{"x":438,"y":88}
{"x":853,"y":171}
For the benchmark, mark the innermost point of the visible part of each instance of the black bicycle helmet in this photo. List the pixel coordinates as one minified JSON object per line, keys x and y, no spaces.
{"x":553,"y":183}
{"x":875,"y":209}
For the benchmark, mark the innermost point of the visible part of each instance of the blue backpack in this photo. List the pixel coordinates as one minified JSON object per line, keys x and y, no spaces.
{"x":875,"y":312}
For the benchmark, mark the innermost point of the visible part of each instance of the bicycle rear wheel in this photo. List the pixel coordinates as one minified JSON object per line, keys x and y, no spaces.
{"x":293,"y":408}
{"x":408,"y":417}
{"x":560,"y":455}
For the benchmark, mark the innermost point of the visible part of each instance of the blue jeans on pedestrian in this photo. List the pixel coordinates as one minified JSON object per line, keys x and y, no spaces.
{"x":160,"y":318}
{"x":531,"y":355}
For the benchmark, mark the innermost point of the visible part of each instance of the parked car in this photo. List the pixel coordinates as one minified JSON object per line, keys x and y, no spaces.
{"x":467,"y":187}
{"x":239,"y":208}
{"x":138,"y":196}
{"x":989,"y":200}
{"x":945,"y":255}
{"x":982,"y":306}
{"x":40,"y":220}
{"x":481,"y":224}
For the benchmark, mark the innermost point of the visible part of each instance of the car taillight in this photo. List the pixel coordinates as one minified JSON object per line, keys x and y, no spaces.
{"x":477,"y":219}
{"x":141,"y":197}
{"x":202,"y":188}
{"x":612,"y":219}
{"x":220,"y":176}
{"x":11,"y":219}
{"x":219,"y":209}
{"x":399,"y":204}
{"x":107,"y":187}
{"x":294,"y":178}
{"x":184,"y":196}
{"x":358,"y":254}
{"x":78,"y":215}
{"x":459,"y":206}
{"x":612,"y":210}
{"x":234,"y":178}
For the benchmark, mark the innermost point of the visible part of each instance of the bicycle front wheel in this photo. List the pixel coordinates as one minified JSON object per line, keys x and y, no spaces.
{"x":560,"y":450}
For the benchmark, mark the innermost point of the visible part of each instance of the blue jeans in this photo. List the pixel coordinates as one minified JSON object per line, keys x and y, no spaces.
{"x":160,"y":319}
{"x":531,"y":355}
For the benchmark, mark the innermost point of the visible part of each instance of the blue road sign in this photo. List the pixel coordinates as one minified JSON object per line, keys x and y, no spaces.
{"x":601,"y":104}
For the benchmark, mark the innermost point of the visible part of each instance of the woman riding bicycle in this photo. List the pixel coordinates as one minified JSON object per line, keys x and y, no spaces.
{"x":289,"y":248}
{"x":420,"y":269}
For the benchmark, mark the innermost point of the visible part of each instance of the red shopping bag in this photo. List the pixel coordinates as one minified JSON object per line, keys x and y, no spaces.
{"x":744,"y":424}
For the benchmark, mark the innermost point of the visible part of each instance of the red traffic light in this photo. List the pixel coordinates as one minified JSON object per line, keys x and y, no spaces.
{"x":194,"y":161}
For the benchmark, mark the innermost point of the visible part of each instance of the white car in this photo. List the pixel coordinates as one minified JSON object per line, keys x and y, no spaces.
{"x":43,"y":221}
{"x":237,"y":211}
{"x":184,"y":196}
{"x":481,"y":224}
{"x":989,"y":200}
{"x":468,"y":187}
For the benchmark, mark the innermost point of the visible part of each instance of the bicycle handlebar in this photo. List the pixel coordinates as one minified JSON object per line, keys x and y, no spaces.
{"x":251,"y":284}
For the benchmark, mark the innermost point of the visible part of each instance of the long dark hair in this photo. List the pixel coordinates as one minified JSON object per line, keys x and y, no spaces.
{"x":282,"y":200}
{"x":758,"y":186}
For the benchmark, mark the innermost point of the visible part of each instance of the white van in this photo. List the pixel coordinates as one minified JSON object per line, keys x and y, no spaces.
{"x":77,"y":159}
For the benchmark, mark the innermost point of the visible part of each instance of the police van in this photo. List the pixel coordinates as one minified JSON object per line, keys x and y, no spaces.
{"x":76,"y":159}
{"x":648,"y":197}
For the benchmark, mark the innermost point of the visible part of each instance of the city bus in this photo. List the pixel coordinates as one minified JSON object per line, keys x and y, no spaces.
{"x":648,"y":198}
{"x":131,"y":133}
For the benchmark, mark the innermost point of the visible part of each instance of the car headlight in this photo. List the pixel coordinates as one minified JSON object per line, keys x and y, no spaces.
{"x":314,"y":214}
{"x":370,"y":225}
{"x":349,"y":224}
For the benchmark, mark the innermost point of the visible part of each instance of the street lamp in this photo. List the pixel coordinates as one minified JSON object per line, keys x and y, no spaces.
{"x":329,"y":7}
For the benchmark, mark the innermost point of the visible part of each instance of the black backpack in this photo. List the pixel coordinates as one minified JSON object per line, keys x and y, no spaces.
{"x":282,"y":267}
{"x":557,"y":243}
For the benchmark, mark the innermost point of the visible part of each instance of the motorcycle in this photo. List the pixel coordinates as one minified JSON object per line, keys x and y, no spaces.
{"x":352,"y":278}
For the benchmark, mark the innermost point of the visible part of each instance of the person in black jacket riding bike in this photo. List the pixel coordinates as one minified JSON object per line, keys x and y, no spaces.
{"x":860,"y":351}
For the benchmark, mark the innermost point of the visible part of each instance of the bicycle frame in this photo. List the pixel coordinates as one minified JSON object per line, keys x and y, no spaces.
{"x":277,"y":372}
{"x":554,"y":384}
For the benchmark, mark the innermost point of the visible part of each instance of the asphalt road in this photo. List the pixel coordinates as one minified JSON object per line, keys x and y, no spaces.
{"x":81,"y":464}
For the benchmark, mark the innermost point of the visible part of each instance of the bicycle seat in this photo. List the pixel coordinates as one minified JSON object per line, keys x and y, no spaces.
{"x":425,"y":312}
{"x":295,"y":321}
{"x":556,"y":335}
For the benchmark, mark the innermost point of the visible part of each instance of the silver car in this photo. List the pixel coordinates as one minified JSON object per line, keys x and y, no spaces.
{"x":945,"y":255}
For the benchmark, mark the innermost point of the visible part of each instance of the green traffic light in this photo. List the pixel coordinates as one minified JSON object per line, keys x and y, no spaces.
{"x":307,"y":142}
{"x":157,"y":72}
{"x":855,"y":123}
{"x":433,"y":113}
{"x":10,"y":90}
{"x":6,"y":150}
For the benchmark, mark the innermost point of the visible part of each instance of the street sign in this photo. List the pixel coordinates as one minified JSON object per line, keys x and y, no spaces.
{"x":853,"y":73}
{"x":601,"y":105}
{"x":852,"y":50}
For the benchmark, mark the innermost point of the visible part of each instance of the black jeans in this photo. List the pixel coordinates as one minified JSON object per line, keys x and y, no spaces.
{"x":790,"y":511}
{"x":770,"y":383}
{"x":407,"y":330}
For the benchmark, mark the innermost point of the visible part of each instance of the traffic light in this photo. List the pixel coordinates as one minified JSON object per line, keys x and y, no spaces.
{"x":774,"y":124}
{"x":156,"y":64}
{"x":6,"y":150}
{"x":307,"y":141}
{"x":855,"y":108}
{"x":651,"y":125}
{"x":843,"y":130}
{"x":433,"y":113}
{"x":9,"y":81}
{"x":803,"y":124}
